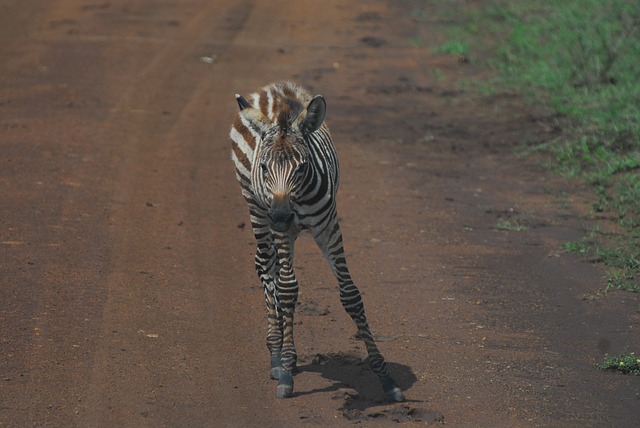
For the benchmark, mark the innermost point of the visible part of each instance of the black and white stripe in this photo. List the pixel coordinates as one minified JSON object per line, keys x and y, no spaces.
{"x":288,"y":169}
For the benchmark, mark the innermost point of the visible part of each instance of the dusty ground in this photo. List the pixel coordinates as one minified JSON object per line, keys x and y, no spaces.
{"x":128,"y":295}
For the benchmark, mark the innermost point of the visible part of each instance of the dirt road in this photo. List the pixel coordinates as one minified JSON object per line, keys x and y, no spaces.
{"x":127,"y":290}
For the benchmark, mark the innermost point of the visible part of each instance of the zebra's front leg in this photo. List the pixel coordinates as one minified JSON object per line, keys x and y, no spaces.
{"x":274,"y":332}
{"x":287,"y":296}
{"x":351,"y":300}
{"x":266,"y":267}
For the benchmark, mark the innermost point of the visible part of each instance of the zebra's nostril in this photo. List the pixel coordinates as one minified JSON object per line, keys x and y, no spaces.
{"x":280,"y":217}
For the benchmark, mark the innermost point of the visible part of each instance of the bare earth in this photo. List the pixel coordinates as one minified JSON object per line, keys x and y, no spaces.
{"x":127,"y":290}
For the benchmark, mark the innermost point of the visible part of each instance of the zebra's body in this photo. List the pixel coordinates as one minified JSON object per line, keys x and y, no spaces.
{"x":288,"y":169}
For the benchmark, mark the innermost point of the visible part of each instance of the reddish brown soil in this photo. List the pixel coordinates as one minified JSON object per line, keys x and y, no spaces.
{"x":128,"y":295}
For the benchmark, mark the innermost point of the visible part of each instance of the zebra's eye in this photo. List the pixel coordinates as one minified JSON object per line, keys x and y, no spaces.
{"x":301,"y":168}
{"x":263,"y":168}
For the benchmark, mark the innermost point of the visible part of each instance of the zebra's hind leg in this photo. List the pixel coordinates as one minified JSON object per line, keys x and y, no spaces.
{"x":352,"y":303}
{"x":392,"y":391}
{"x":332,"y":247}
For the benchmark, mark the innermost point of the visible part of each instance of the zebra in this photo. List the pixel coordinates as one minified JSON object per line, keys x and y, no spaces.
{"x":287,"y":167}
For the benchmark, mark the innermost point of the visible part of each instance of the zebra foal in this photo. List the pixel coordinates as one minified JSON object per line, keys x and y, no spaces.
{"x":288,"y":169}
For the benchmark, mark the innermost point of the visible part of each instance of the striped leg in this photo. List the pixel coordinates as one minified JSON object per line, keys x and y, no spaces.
{"x":265,"y":267}
{"x":287,"y":296}
{"x":330,"y":241}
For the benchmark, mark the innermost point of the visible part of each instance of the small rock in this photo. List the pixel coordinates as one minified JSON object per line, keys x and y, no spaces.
{"x":345,"y":394}
{"x":374,"y":42}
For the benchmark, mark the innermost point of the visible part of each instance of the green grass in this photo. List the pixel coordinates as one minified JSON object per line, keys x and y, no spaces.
{"x":580,"y":247}
{"x":453,"y":47}
{"x":625,"y":363}
{"x":581,"y":60}
{"x":511,"y":226}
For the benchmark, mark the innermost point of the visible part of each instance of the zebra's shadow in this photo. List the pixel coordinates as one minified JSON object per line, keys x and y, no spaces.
{"x":351,"y":377}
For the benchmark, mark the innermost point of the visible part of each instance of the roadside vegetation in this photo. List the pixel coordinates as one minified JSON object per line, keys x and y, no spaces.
{"x":581,"y":60}
{"x":624,"y":363}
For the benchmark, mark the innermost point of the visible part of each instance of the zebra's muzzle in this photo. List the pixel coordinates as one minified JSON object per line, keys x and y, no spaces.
{"x":280,"y":219}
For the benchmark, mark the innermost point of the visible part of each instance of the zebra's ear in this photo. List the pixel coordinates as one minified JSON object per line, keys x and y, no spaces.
{"x":312,"y":118}
{"x":242,"y":103}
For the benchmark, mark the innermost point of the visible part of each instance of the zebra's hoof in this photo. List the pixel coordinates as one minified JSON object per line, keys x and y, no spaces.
{"x":285,"y":385}
{"x":284,"y":391}
{"x":276,"y":372}
{"x":392,"y":391}
{"x":394,"y":395}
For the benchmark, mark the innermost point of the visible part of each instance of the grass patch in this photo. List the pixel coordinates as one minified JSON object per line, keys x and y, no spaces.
{"x":622,"y":265}
{"x":579,"y":247}
{"x":579,"y":58}
{"x":511,"y":226}
{"x":453,"y":47}
{"x":625,"y":363}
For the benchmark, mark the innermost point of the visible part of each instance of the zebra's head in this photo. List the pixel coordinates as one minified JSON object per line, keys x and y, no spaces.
{"x":283,"y":165}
